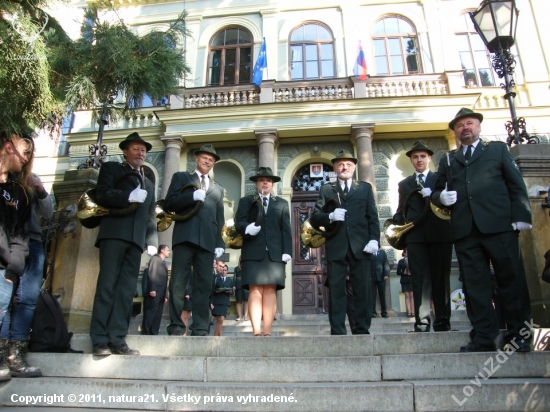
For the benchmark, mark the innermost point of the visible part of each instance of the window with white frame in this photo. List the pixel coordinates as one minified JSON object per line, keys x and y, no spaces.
{"x":396,"y":50}
{"x":311,"y":52}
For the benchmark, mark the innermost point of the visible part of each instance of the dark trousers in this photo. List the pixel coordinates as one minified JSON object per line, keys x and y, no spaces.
{"x":430,"y":265}
{"x":152,"y":316}
{"x":118,"y":275}
{"x":186,"y":256}
{"x":380,"y":286}
{"x":360,"y":282}
{"x":350,"y":307}
{"x":474,"y":252}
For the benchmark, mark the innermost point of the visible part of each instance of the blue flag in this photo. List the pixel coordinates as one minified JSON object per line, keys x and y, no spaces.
{"x":261,"y":64}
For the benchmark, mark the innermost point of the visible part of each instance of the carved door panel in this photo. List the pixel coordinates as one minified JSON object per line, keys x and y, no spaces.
{"x":307,"y":264}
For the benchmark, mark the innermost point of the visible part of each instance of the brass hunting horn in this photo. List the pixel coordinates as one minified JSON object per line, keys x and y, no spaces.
{"x":314,"y":237}
{"x":234,"y":239}
{"x":395,"y":233}
{"x":165,"y":218}
{"x":89,"y":212}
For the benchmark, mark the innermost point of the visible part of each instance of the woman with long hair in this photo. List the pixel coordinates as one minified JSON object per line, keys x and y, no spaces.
{"x":16,"y":153}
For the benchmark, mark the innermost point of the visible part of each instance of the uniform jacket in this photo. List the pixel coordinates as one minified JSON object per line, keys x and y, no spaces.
{"x":361,"y":224}
{"x":222,"y":298}
{"x":380,"y":266}
{"x":429,"y":229}
{"x":205,"y":228}
{"x":490,"y":190}
{"x":157,"y":276}
{"x":275,"y":236}
{"x":139,"y":227}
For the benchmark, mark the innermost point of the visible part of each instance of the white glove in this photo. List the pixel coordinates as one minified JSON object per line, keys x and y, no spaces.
{"x":199,"y":195}
{"x":426,"y":192}
{"x":252,"y":229}
{"x":521,"y":226}
{"x":137,"y":195}
{"x":372,"y":247}
{"x":448,"y":198}
{"x":339,"y":215}
{"x":151,"y":250}
{"x":219,"y":252}
{"x":286,"y":258}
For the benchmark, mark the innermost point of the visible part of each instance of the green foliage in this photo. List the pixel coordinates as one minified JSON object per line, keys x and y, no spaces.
{"x":110,"y":61}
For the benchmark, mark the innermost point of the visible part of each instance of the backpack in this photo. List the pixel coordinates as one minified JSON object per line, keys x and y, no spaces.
{"x":49,"y":331}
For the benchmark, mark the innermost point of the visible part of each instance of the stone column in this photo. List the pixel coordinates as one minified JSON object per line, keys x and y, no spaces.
{"x":534,"y":163}
{"x":267,"y":139}
{"x":362,"y":135}
{"x":171,"y":165}
{"x":77,"y":259}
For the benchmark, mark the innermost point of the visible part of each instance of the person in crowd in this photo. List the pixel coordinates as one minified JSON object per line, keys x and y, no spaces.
{"x":406,"y":283}
{"x":155,"y":294}
{"x":223,"y":289}
{"x":266,"y":248}
{"x":121,"y":241}
{"x":241,"y":295}
{"x":352,"y":203}
{"x":17,"y":322}
{"x":429,"y":243}
{"x":380,"y":272}
{"x":484,"y":188}
{"x":195,"y":241}
{"x":16,"y":155}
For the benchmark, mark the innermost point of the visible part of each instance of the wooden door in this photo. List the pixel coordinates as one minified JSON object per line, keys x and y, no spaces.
{"x":309,"y":293}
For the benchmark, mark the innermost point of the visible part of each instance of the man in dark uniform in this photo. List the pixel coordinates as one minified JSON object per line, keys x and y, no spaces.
{"x":353,"y":244}
{"x":196,"y":240}
{"x":154,"y":295}
{"x":429,"y":243}
{"x":490,"y":205}
{"x":121,"y":241}
{"x":380,"y":272}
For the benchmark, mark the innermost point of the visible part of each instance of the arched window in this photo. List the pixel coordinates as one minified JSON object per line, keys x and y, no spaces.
{"x":395,"y":47}
{"x":230,"y":57}
{"x":311,"y":52}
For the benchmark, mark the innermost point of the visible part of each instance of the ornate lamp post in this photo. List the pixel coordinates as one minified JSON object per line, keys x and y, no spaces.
{"x":496,"y":22}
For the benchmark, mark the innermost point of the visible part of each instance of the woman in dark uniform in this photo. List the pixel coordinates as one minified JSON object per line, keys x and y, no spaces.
{"x":266,"y":248}
{"x":406,"y":283}
{"x":241,"y":295}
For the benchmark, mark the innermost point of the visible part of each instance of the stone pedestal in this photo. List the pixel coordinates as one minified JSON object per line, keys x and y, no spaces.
{"x":77,"y":262}
{"x":534,"y":162}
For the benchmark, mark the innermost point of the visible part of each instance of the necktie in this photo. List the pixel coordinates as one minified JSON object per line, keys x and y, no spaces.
{"x":265,"y":204}
{"x":203,"y":182}
{"x":421,"y":179}
{"x":345,"y":188}
{"x":468,"y":154}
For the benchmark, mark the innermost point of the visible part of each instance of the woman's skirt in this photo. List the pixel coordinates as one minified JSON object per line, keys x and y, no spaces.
{"x":187,"y":305}
{"x":220,"y":310}
{"x":263,"y":272}
{"x":241,"y":295}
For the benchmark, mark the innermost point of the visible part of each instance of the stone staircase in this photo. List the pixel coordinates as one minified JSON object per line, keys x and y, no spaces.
{"x":300,"y":368}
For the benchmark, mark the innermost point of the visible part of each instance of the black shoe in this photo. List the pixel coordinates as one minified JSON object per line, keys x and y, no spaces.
{"x":478,"y":347}
{"x":101,"y":349}
{"x":123,"y":350}
{"x":521,"y":346}
{"x":384,"y":315}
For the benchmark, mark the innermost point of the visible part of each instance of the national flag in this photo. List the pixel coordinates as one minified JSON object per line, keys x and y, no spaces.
{"x":360,"y":69}
{"x":261,"y":64}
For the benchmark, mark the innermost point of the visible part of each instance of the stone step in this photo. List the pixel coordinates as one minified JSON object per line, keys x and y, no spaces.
{"x":406,"y":395}
{"x":295,"y":369}
{"x":290,"y":346}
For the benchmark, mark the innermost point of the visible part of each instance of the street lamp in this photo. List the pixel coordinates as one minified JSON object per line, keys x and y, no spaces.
{"x":496,"y":22}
